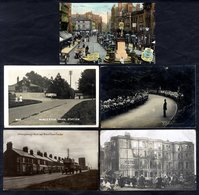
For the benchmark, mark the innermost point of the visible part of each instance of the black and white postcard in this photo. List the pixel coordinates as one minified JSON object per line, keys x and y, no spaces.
{"x":51,"y":96}
{"x":148,"y":97}
{"x":148,"y":160}
{"x":50,"y":160}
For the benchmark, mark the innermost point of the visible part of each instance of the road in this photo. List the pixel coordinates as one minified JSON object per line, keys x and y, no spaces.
{"x":24,"y":181}
{"x":148,"y":115}
{"x":93,"y":45}
{"x":45,"y":113}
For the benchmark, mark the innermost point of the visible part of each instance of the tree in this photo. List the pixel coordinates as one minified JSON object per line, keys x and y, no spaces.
{"x":61,"y":87}
{"x":87,"y":82}
{"x":37,"y":79}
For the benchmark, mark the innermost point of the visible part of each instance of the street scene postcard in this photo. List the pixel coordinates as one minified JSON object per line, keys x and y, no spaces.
{"x":148,"y":160}
{"x":148,"y":97}
{"x":107,"y":33}
{"x":51,"y":96}
{"x":50,"y":160}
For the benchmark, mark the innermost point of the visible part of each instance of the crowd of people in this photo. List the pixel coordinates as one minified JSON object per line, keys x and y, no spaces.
{"x":176,"y":95}
{"x":122,"y":104}
{"x":109,"y":183}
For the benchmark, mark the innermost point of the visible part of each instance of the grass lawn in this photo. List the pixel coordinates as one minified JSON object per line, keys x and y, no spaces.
{"x":25,"y":102}
{"x":82,"y":181}
{"x":83,"y":113}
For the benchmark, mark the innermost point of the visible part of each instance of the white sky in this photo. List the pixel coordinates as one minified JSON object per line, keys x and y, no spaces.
{"x":97,"y":8}
{"x":80,"y":143}
{"x":13,"y":72}
{"x":171,"y":135}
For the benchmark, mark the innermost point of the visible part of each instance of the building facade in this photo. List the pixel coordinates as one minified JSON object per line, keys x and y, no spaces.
{"x":24,"y":85}
{"x":25,"y":162}
{"x":143,"y":23}
{"x":65,"y":17}
{"x":89,"y":22}
{"x":129,"y":156}
{"x":83,"y":25}
{"x":123,"y":12}
{"x":82,"y":163}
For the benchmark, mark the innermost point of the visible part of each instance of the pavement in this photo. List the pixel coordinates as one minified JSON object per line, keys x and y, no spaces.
{"x":69,"y":49}
{"x":148,"y":115}
{"x":45,"y":113}
{"x":24,"y":181}
{"x":93,"y":45}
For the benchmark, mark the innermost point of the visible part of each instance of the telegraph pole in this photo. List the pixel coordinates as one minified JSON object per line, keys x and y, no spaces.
{"x":70,"y":74}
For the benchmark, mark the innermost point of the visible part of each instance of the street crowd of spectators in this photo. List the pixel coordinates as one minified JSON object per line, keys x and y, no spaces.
{"x":109,"y":183}
{"x":122,"y":104}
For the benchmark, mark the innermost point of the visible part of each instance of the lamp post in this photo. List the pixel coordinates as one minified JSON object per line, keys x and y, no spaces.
{"x":92,"y":94}
{"x":70,"y":74}
{"x":147,"y":36}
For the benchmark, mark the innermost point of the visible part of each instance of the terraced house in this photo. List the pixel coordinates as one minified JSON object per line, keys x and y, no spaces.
{"x":25,"y":162}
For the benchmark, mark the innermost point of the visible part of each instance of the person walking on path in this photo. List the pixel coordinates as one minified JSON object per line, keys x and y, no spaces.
{"x":165,"y":108}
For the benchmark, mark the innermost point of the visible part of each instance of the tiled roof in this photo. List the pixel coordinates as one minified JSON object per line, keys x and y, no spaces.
{"x":22,"y":153}
{"x":40,"y":157}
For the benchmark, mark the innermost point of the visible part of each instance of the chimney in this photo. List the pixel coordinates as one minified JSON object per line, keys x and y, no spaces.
{"x":59,"y":158}
{"x":38,"y":152}
{"x":55,"y":157}
{"x":25,"y":149}
{"x":51,"y":156}
{"x":17,"y":79}
{"x":45,"y":154}
{"x":31,"y":152}
{"x":9,"y":146}
{"x":127,"y":135}
{"x":41,"y":154}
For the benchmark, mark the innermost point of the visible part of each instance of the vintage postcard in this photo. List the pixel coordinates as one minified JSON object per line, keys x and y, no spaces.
{"x":51,"y":96}
{"x":107,"y":33}
{"x":148,"y":160}
{"x":50,"y":160}
{"x":147,"y":97}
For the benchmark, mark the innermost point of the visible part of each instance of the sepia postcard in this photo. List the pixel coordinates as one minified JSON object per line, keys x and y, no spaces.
{"x":148,"y":160}
{"x":51,"y":96}
{"x":50,"y":160}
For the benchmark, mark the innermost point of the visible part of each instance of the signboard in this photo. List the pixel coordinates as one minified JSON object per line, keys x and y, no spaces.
{"x":127,"y":163}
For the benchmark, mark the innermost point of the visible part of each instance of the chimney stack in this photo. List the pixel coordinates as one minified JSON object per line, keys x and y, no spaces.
{"x":55,"y":157}
{"x":45,"y":154}
{"x":51,"y":156}
{"x":31,"y":152}
{"x":25,"y":149}
{"x":9,"y":146}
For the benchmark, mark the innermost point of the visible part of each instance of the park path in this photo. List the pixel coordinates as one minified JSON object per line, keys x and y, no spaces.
{"x":45,"y":113}
{"x":148,"y":115}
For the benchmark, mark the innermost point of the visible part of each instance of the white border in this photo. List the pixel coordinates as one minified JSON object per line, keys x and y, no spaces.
{"x":68,"y":67}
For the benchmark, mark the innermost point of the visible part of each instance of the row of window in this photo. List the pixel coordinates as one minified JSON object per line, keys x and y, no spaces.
{"x":31,"y":161}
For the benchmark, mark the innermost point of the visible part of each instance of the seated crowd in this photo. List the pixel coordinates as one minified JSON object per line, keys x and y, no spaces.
{"x":121,"y":104}
{"x":157,"y":182}
{"x":172,"y":94}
